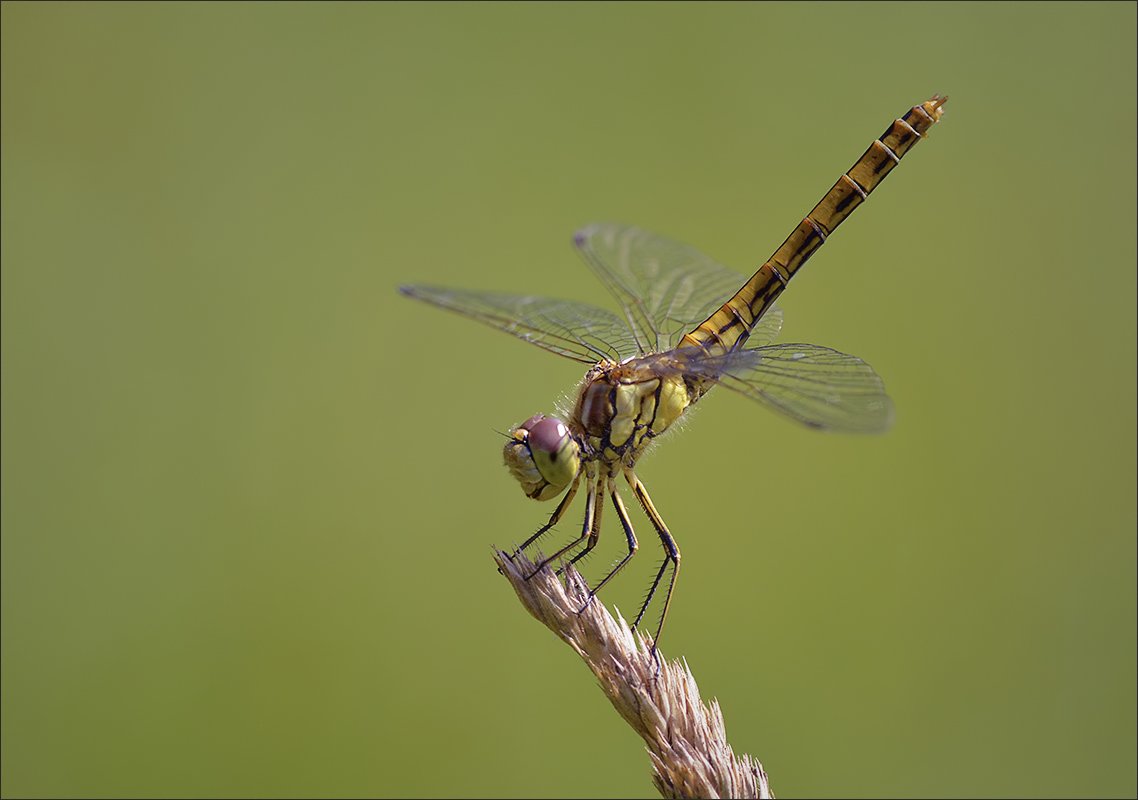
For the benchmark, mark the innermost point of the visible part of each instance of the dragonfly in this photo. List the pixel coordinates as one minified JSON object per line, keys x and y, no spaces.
{"x":686,"y":325}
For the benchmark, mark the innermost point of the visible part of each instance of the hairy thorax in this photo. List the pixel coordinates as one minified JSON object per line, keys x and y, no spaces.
{"x":622,"y":407}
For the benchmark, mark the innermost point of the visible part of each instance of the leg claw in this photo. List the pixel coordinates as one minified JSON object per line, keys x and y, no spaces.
{"x":589,"y":602}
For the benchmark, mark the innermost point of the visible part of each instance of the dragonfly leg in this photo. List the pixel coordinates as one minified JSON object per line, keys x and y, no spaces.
{"x":594,"y":537}
{"x":671,"y":554}
{"x":592,"y":522}
{"x":553,"y":518}
{"x":629,"y":534}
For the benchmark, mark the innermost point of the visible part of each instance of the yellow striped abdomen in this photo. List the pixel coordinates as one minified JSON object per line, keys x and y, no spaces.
{"x":732,"y":323}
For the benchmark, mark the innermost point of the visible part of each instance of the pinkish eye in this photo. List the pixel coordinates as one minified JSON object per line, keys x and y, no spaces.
{"x":547,"y":436}
{"x":530,"y":423}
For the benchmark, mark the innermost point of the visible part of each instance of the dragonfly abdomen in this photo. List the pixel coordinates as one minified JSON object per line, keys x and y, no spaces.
{"x":733,"y":322}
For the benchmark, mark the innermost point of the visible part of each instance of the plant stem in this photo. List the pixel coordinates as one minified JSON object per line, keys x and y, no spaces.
{"x":686,"y":739}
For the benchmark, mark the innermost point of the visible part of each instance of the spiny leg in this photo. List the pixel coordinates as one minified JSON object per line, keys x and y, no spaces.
{"x":651,"y":591}
{"x":592,"y":521}
{"x":589,"y":545}
{"x":671,"y":553}
{"x":553,"y":518}
{"x":629,"y":534}
{"x":594,"y":537}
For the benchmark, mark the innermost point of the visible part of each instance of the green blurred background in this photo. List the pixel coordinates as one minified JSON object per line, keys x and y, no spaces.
{"x":249,"y":492}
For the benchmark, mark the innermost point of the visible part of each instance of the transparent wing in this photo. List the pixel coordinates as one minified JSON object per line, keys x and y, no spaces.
{"x":665,"y":288}
{"x":815,"y":385}
{"x":578,"y":331}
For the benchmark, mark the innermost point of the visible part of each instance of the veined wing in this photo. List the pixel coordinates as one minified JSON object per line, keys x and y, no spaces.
{"x":578,"y":331}
{"x":664,"y":287}
{"x":815,"y":385}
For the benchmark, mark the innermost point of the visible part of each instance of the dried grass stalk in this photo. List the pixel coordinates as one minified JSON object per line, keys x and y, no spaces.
{"x":660,"y":700}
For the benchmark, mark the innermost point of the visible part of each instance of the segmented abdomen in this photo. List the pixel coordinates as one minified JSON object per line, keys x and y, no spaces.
{"x":732,"y":323}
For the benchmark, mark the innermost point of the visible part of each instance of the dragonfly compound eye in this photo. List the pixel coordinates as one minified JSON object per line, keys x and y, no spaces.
{"x":543,"y":456}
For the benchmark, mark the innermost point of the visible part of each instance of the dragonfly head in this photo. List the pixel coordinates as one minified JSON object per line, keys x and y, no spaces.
{"x":543,"y":455}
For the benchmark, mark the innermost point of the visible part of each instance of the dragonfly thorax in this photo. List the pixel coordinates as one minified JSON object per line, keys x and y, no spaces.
{"x":543,"y":455}
{"x":622,"y":407}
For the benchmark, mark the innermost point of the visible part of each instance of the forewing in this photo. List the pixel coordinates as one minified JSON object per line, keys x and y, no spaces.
{"x":815,"y":385}
{"x":578,"y":331}
{"x":664,"y":287}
